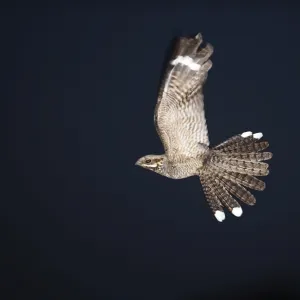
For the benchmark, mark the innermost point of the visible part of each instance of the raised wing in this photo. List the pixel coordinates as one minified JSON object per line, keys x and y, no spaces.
{"x":179,"y":114}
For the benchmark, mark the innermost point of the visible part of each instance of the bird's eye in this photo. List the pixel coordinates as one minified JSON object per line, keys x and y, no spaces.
{"x":148,"y":161}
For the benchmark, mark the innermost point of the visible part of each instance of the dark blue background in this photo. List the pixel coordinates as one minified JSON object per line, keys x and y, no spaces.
{"x":80,"y":221}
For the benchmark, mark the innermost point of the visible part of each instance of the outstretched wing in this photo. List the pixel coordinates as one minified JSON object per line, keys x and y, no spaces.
{"x":179,"y":114}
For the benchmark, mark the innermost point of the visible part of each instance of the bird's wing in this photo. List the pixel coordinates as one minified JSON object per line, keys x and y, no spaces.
{"x":179,"y":114}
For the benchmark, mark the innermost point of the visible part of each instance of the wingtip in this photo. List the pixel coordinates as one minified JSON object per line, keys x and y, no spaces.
{"x":198,"y":36}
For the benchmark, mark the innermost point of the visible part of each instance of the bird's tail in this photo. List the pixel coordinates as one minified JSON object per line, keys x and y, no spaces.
{"x":232,"y":167}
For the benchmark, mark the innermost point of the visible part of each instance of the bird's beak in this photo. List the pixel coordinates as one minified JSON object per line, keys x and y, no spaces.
{"x":138,"y":162}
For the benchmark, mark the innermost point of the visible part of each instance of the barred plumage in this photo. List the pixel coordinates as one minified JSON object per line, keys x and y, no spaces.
{"x":211,"y":197}
{"x":244,"y":179}
{"x":223,"y":163}
{"x":247,"y":146}
{"x":233,"y":142}
{"x":251,"y":156}
{"x":225,"y":170}
{"x":223,"y":195}
{"x":237,"y":190}
{"x":255,"y":170}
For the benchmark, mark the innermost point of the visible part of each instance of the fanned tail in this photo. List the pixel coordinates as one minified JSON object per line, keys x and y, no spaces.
{"x":230,"y":169}
{"x":243,"y":143}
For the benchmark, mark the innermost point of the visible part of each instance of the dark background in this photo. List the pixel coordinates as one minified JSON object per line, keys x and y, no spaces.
{"x":79,"y":220}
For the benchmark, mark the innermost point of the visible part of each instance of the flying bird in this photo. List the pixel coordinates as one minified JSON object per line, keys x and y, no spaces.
{"x":225,"y":170}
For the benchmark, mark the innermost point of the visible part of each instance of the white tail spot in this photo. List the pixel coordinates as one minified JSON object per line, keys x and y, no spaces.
{"x":220,"y":216}
{"x":187,"y":61}
{"x":246,"y":134}
{"x":258,"y":135}
{"x":237,"y":211}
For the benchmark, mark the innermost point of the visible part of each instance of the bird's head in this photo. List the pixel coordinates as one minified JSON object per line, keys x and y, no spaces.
{"x":154,"y":163}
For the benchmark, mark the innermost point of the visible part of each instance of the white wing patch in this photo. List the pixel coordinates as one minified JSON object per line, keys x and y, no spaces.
{"x":187,"y":61}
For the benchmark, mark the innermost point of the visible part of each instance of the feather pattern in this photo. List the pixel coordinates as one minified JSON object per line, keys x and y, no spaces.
{"x":244,"y":146}
{"x":211,"y":197}
{"x":180,"y":101}
{"x":239,"y":167}
{"x":251,"y":156}
{"x":235,"y":140}
{"x":226,"y":170}
{"x":244,"y":179}
{"x":223,"y":195}
{"x":237,"y":190}
{"x":232,"y":167}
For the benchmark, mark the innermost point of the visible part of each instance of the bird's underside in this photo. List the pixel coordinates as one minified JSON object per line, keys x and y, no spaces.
{"x":225,"y":170}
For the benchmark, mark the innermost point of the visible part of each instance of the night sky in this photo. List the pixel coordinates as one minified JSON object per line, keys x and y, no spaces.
{"x":79,"y":219}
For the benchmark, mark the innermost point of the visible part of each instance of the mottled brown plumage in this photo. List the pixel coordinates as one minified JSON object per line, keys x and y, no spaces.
{"x":225,"y":170}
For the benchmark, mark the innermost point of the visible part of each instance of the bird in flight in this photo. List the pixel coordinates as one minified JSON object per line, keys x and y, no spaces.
{"x":225,"y":170}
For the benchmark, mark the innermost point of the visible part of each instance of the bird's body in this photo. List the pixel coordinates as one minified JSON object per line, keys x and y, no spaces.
{"x":224,"y":170}
{"x":183,"y":167}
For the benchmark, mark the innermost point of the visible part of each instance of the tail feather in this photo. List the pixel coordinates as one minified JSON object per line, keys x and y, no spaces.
{"x":213,"y":201}
{"x":235,"y":140}
{"x":253,"y":147}
{"x":237,"y":190}
{"x":230,"y":169}
{"x":217,"y":195}
{"x":252,"y":156}
{"x":244,"y":163}
{"x":256,"y":169}
{"x":246,"y":148}
{"x":223,"y":195}
{"x":242,"y":143}
{"x":244,"y":179}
